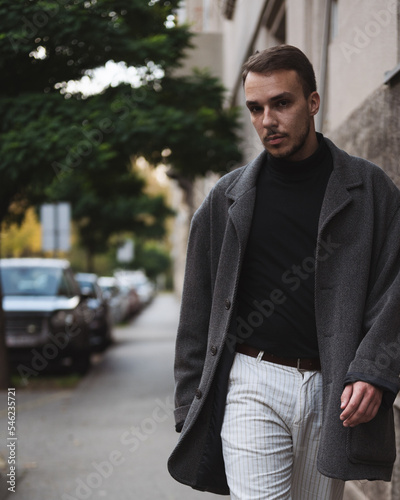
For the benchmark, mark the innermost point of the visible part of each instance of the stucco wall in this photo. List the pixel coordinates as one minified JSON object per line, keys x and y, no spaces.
{"x":373,"y":130}
{"x":238,"y":34}
{"x":366,"y":46}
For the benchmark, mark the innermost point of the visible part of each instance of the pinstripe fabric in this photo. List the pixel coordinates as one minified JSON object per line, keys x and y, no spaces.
{"x":271,"y":431}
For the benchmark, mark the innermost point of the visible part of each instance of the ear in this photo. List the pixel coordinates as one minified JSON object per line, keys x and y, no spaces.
{"x":313,"y":103}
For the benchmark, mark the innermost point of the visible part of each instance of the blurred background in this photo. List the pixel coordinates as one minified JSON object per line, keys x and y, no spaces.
{"x":117,"y":118}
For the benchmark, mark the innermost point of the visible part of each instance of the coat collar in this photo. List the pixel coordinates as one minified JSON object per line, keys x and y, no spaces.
{"x":343,"y":179}
{"x":242,"y":191}
{"x":248,"y":178}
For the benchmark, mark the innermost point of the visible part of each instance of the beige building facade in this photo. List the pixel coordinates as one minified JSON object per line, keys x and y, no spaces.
{"x":354,"y":46}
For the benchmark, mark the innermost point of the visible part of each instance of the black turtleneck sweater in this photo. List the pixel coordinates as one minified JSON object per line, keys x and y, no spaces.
{"x":276,"y":290}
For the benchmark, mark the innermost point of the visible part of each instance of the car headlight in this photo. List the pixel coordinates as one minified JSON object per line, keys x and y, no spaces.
{"x":61,"y":319}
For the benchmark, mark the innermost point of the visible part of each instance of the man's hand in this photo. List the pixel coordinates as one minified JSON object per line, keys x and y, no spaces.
{"x":360,"y":402}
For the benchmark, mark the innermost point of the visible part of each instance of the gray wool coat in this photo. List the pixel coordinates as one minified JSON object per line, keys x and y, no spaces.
{"x":357,"y":304}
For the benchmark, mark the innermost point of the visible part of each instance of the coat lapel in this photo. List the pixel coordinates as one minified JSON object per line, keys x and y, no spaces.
{"x":243,"y":194}
{"x":342,"y":180}
{"x":335,"y":199}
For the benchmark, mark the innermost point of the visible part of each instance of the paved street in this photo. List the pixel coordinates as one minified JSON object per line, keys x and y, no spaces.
{"x":110,"y":437}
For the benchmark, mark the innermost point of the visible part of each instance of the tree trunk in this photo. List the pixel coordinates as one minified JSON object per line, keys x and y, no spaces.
{"x":90,"y":260}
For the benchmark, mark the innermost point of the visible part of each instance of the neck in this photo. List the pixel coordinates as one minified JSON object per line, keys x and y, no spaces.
{"x":304,"y":165}
{"x":311,"y":147}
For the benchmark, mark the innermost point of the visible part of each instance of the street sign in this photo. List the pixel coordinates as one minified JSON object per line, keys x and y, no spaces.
{"x":126,"y":252}
{"x":56,"y":221}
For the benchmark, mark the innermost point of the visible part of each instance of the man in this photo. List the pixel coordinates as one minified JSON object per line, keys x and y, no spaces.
{"x":288,"y":348}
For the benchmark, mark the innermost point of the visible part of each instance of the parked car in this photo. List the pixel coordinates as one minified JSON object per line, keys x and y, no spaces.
{"x":138,"y":280}
{"x":131,"y":296}
{"x":100,"y":323}
{"x":45,"y":315}
{"x":118,"y":303}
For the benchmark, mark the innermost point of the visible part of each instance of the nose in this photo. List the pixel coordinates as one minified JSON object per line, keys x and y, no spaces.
{"x":269,"y":118}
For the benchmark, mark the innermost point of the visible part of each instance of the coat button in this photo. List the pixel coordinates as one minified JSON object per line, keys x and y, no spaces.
{"x":227,"y":304}
{"x":214,"y":350}
{"x":199,"y":394}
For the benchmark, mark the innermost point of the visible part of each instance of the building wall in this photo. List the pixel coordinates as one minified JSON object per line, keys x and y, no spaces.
{"x":237,"y":35}
{"x":207,"y":54}
{"x":305,"y":28}
{"x":365,"y":47}
{"x":372,"y":130}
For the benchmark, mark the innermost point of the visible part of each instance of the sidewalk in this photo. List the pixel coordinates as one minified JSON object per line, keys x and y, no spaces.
{"x":109,"y":438}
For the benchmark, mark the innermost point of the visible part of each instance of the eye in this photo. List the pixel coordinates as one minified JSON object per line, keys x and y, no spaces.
{"x":255,"y":109}
{"x":283,"y":103}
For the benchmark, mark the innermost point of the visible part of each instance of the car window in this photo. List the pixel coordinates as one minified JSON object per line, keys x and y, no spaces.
{"x":97,"y":290}
{"x":64,"y":288}
{"x":87,"y":284}
{"x":30,"y":280}
{"x":68,"y":286}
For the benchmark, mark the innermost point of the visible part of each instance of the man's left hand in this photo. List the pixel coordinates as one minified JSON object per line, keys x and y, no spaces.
{"x":360,"y":403}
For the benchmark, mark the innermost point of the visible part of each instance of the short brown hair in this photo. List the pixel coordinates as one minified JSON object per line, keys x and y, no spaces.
{"x":283,"y":57}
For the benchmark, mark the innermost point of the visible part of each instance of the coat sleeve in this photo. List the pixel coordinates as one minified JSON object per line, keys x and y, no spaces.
{"x":191,"y":343}
{"x":378,"y":357}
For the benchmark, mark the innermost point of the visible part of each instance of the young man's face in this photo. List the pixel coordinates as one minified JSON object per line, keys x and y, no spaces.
{"x":281,"y":114}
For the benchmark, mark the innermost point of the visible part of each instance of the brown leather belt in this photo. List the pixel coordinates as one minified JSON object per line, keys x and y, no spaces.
{"x":311,"y":364}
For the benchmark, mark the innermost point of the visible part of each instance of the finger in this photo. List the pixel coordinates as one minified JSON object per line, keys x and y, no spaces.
{"x":352,"y":405}
{"x":346,"y":395}
{"x":365,"y":416}
{"x":363,"y":413}
{"x":367,"y":408}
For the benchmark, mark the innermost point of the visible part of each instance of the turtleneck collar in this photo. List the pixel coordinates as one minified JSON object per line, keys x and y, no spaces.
{"x":299,"y":169}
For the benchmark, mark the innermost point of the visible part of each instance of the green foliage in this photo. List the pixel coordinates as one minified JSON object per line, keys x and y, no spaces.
{"x":79,"y":35}
{"x":153,"y":257}
{"x":204,"y":133}
{"x":55,"y":145}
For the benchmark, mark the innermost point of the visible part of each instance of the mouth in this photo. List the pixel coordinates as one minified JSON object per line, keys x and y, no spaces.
{"x":274,"y":140}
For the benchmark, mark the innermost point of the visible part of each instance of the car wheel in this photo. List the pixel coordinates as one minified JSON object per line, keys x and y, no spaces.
{"x":81,"y":363}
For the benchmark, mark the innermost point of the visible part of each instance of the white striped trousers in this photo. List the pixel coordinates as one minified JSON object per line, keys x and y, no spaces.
{"x":271,"y":431}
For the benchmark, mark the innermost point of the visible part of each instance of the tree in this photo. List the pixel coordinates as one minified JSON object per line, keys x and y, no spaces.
{"x":45,"y":44}
{"x":106,"y":204}
{"x":57,"y":143}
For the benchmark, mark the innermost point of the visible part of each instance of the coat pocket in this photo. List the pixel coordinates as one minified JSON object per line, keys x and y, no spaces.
{"x":373,"y":443}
